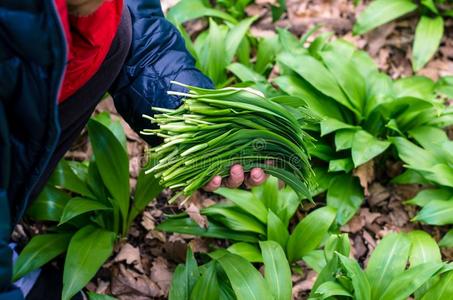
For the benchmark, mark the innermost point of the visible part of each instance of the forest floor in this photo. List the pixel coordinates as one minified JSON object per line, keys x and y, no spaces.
{"x":143,"y":264}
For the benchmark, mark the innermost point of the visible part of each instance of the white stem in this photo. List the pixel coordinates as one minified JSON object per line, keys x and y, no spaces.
{"x":173,"y":93}
{"x":180,"y":84}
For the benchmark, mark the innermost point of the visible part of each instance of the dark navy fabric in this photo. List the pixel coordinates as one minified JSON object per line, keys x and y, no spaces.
{"x":158,"y":55}
{"x":32,"y":58}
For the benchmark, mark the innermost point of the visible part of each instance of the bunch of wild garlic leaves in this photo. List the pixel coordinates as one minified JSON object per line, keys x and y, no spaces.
{"x":214,"y":129}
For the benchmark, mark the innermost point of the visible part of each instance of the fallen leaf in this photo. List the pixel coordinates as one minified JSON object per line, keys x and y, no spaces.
{"x":131,"y":255}
{"x":148,"y":221}
{"x":365,"y":173}
{"x":378,"y":194}
{"x":304,"y":285}
{"x":161,"y":275}
{"x":194,"y":213}
{"x":127,"y":283}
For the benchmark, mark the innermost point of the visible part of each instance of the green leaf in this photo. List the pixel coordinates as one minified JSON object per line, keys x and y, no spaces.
{"x":331,"y":288}
{"x":425,"y":196}
{"x":337,"y":243}
{"x":77,"y":206}
{"x":244,"y":73}
{"x":430,"y":5}
{"x":148,"y":188}
{"x":428,"y":36}
{"x":214,"y":230}
{"x":337,"y":56}
{"x":287,"y":40}
{"x":213,"y":58}
{"x":276,"y":270}
{"x":184,"y":278}
{"x":192,"y":9}
{"x":424,"y":248}
{"x":207,"y":286}
{"x":447,"y":240}
{"x":235,"y":36}
{"x":315,"y":260}
{"x":410,"y":177}
{"x":366,"y":147}
{"x":409,"y":281}
{"x":288,"y":203}
{"x":343,"y":139}
{"x":317,"y":75}
{"x":245,"y":200}
{"x":49,"y":205}
{"x":416,"y":157}
{"x":329,"y":125}
{"x":113,"y":164}
{"x":444,"y":86}
{"x":436,"y":212}
{"x":443,"y":289}
{"x":341,"y":165}
{"x":65,"y":177}
{"x":39,"y":251}
{"x":246,"y":281}
{"x":276,"y":230}
{"x":319,"y":104}
{"x":359,"y":280}
{"x":278,"y":10}
{"x":115,"y":127}
{"x":88,"y":250}
{"x":94,"y":296}
{"x":429,"y":137}
{"x":309,"y":233}
{"x":387,"y":262}
{"x":248,"y":251}
{"x":414,"y":86}
{"x":380,"y":12}
{"x":234,"y":219}
{"x":266,"y":50}
{"x":345,"y":195}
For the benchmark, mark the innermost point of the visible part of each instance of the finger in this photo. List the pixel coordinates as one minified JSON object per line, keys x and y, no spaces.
{"x":236,"y":177}
{"x":257,"y":177}
{"x":213,"y":184}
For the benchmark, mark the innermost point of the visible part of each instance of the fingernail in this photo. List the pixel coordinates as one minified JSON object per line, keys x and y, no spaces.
{"x":236,"y":170}
{"x":256,"y":174}
{"x":216,"y":180}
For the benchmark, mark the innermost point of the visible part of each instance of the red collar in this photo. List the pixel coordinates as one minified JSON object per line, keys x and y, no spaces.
{"x":89,"y":39}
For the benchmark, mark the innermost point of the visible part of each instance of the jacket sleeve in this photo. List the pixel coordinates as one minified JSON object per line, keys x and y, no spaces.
{"x":157,"y":56}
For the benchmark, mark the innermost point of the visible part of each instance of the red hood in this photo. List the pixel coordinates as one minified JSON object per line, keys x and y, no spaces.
{"x":89,"y":39}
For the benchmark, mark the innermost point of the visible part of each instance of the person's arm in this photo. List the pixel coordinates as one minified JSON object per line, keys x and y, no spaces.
{"x":158,"y":56}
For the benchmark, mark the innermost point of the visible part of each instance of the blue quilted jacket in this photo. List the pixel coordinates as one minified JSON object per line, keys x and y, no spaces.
{"x":32,"y":59}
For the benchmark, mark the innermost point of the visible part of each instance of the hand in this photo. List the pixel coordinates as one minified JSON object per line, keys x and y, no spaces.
{"x":255,"y":177}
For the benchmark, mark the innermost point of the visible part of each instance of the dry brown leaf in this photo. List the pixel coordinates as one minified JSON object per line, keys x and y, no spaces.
{"x":199,"y":245}
{"x":304,"y":285}
{"x":377,"y":38}
{"x":365,"y":173}
{"x":194,"y":213}
{"x":354,"y":225}
{"x":378,"y":194}
{"x":148,"y":221}
{"x":267,"y":2}
{"x":161,"y":275}
{"x":102,"y":286}
{"x":127,"y":283}
{"x":155,"y":234}
{"x":130,"y":255}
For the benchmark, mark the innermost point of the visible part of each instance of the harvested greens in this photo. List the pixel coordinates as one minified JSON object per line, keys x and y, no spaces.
{"x":215,"y":129}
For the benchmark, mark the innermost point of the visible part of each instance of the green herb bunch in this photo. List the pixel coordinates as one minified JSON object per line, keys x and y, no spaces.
{"x":215,"y":129}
